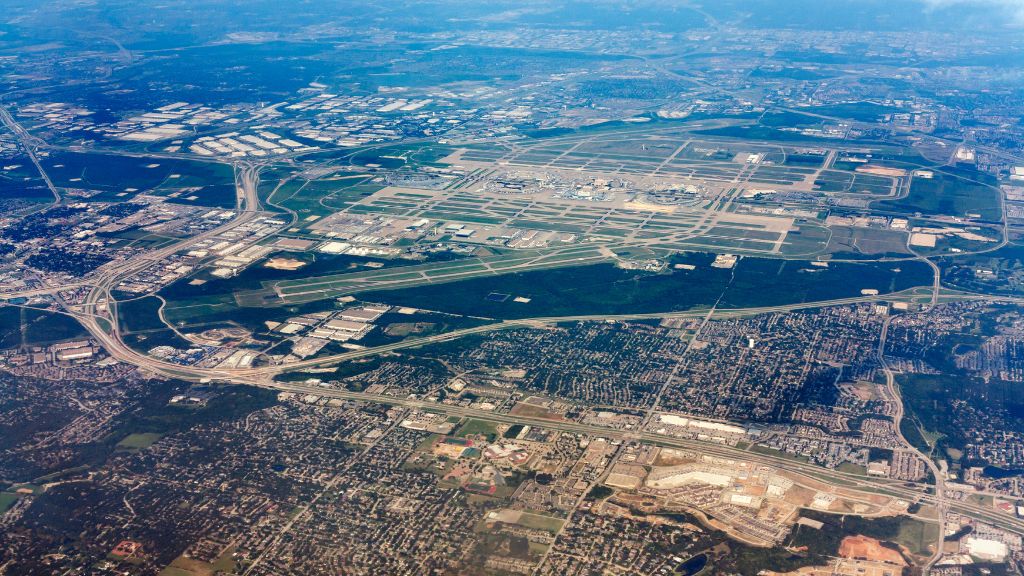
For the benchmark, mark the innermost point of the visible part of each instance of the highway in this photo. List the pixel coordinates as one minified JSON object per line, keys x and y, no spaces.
{"x":263,"y":377}
{"x":117,"y":348}
{"x":908,"y":491}
{"x":30,"y":143}
{"x":99,"y":314}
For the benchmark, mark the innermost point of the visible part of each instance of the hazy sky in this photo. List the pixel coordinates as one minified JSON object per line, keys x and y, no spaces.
{"x":1013,"y":8}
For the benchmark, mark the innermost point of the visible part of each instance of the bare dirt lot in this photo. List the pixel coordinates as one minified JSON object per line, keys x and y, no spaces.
{"x":862,"y":547}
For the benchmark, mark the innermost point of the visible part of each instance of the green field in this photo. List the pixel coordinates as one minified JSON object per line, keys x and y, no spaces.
{"x":22,"y":326}
{"x":851,"y":468}
{"x":855,"y":242}
{"x":10,"y":326}
{"x":121,"y":178}
{"x":948,"y":195}
{"x":917,"y":536}
{"x":183,"y":566}
{"x":141,"y":326}
{"x":7,"y":499}
{"x":474,"y":427}
{"x":606,"y":289}
{"x":21,"y":181}
{"x":539,"y":522}
{"x":139,"y":441}
{"x":863,"y":111}
{"x":322,"y":197}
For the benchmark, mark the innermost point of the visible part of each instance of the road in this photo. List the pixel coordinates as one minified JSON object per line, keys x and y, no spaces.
{"x":103,"y":326}
{"x":897,"y":419}
{"x":98,"y":312}
{"x":117,"y":348}
{"x":905,"y":490}
{"x":93,"y":320}
{"x":30,"y":143}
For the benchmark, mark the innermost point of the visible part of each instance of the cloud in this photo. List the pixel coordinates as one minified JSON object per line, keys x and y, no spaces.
{"x":1013,"y":9}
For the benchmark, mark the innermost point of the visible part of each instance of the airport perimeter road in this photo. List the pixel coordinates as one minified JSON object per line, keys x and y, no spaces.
{"x":539,"y":322}
{"x":111,"y":340}
{"x":263,"y":377}
{"x":109,"y":336}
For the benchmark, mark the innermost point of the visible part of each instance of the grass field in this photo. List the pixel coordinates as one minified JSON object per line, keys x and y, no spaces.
{"x":49,"y":327}
{"x":7,"y":499}
{"x":139,"y":441}
{"x":863,"y":111}
{"x":851,"y":468}
{"x":182,"y":566}
{"x":539,"y":522}
{"x":141,"y":326}
{"x":36,"y":327}
{"x":808,"y":240}
{"x":853,"y":242}
{"x":948,"y":195}
{"x":322,"y":197}
{"x":120,"y":178}
{"x":477,"y":427}
{"x":917,"y":536}
{"x":606,"y":289}
{"x":10,"y":326}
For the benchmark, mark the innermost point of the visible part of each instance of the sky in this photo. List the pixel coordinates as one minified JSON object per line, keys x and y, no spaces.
{"x":1014,"y":9}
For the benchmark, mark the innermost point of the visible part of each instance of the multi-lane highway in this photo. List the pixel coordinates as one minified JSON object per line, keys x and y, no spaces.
{"x":30,"y":143}
{"x":908,"y":491}
{"x":98,"y":313}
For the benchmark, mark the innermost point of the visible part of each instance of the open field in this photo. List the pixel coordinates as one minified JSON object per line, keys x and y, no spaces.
{"x":949,"y":195}
{"x":121,"y":178}
{"x":183,"y":566}
{"x":138,"y":441}
{"x":36,"y":327}
{"x":604,"y":288}
{"x":7,"y":499}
